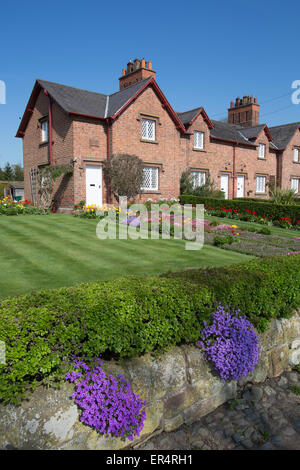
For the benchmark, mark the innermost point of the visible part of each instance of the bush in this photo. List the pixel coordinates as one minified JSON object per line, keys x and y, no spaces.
{"x":256,"y":209}
{"x":130,"y":316}
{"x":264,"y":231}
{"x":226,"y":240}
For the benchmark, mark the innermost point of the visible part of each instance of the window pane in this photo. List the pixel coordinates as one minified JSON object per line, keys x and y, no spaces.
{"x":260,"y":184}
{"x":198,"y":178}
{"x":150,"y":178}
{"x":262,"y":150}
{"x":44,"y":131}
{"x":198,"y":140}
{"x":148,"y":129}
{"x":296,"y":155}
{"x":295,"y":184}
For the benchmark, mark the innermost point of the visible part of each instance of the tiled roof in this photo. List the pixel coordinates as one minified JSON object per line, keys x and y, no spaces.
{"x":283,"y":134}
{"x":232,"y":132}
{"x":188,"y":116}
{"x":75,"y":100}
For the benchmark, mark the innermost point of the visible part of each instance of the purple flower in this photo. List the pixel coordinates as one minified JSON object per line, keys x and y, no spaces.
{"x":230,"y":343}
{"x":108,"y":403}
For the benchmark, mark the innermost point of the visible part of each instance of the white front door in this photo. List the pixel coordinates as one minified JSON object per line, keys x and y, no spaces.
{"x":240,"y":181}
{"x":93,"y":185}
{"x":224,"y":185}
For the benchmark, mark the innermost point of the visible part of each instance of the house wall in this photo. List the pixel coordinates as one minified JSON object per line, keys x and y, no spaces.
{"x":89,"y":148}
{"x":84,"y":141}
{"x":36,"y":153}
{"x":289,"y":168}
{"x":167,"y":152}
{"x":217,"y":158}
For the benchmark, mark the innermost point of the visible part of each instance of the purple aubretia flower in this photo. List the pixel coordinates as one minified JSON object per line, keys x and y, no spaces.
{"x":108,"y":404}
{"x":231,"y":344}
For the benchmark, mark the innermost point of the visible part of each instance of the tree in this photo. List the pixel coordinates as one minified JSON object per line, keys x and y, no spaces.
{"x":18,"y":172}
{"x":124,"y":175}
{"x":8,"y":172}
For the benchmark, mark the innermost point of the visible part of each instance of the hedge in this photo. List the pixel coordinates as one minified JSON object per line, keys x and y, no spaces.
{"x":129,"y":316}
{"x":266,"y":209}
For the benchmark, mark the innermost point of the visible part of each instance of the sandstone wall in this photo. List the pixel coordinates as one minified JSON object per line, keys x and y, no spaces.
{"x":179,"y":387}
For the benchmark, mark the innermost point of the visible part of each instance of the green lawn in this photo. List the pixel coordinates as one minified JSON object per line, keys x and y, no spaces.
{"x":280,"y":232}
{"x":39,"y":252}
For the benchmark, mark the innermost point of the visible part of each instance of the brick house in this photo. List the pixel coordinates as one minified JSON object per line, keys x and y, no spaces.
{"x":63,"y":125}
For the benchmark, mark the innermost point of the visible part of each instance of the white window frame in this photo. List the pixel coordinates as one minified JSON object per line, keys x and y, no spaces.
{"x":153,"y":178}
{"x":261,"y":184}
{"x":45,"y":130}
{"x":146,"y":129}
{"x":295,"y":184}
{"x":262,"y":151}
{"x":198,"y":178}
{"x":296,"y":155}
{"x":198,"y":140}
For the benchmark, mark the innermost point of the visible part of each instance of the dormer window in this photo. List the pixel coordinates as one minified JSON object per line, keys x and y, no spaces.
{"x":262,"y":151}
{"x":45,"y":131}
{"x":198,"y":140}
{"x":148,"y":129}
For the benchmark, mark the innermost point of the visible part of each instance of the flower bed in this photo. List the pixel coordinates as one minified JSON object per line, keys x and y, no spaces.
{"x":252,"y":242}
{"x":8,"y":207}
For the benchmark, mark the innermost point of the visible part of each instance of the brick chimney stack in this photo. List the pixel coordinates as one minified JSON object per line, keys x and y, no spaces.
{"x":136,"y":71}
{"x":245,"y":111}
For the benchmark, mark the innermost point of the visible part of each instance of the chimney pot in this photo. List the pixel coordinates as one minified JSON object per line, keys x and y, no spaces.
{"x":255,"y":100}
{"x":138,"y":70}
{"x":137,"y":64}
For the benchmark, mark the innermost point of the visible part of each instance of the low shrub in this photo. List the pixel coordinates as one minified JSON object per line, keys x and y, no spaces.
{"x":264,"y":231}
{"x":226,"y":240}
{"x":127,"y":317}
{"x":246,"y":210}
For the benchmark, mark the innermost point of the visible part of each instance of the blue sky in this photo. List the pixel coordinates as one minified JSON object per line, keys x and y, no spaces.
{"x":205,"y":53}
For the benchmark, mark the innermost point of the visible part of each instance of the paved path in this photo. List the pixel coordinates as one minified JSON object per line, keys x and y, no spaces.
{"x":265,"y":417}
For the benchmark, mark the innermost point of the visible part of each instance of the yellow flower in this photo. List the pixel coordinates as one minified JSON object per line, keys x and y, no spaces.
{"x":234,"y":226}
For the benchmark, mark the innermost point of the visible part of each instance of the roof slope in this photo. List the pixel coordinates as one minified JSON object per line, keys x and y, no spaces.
{"x":187,"y":116}
{"x":231,"y":132}
{"x":87,"y":103}
{"x":120,"y":98}
{"x":75,"y":100}
{"x":253,"y":132}
{"x":283,"y":134}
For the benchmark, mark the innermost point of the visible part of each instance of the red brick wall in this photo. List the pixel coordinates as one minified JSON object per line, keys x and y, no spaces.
{"x":290,"y":169}
{"x":35,"y":153}
{"x":217,"y":158}
{"x":168,"y":150}
{"x":90,"y":148}
{"x":85,"y":141}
